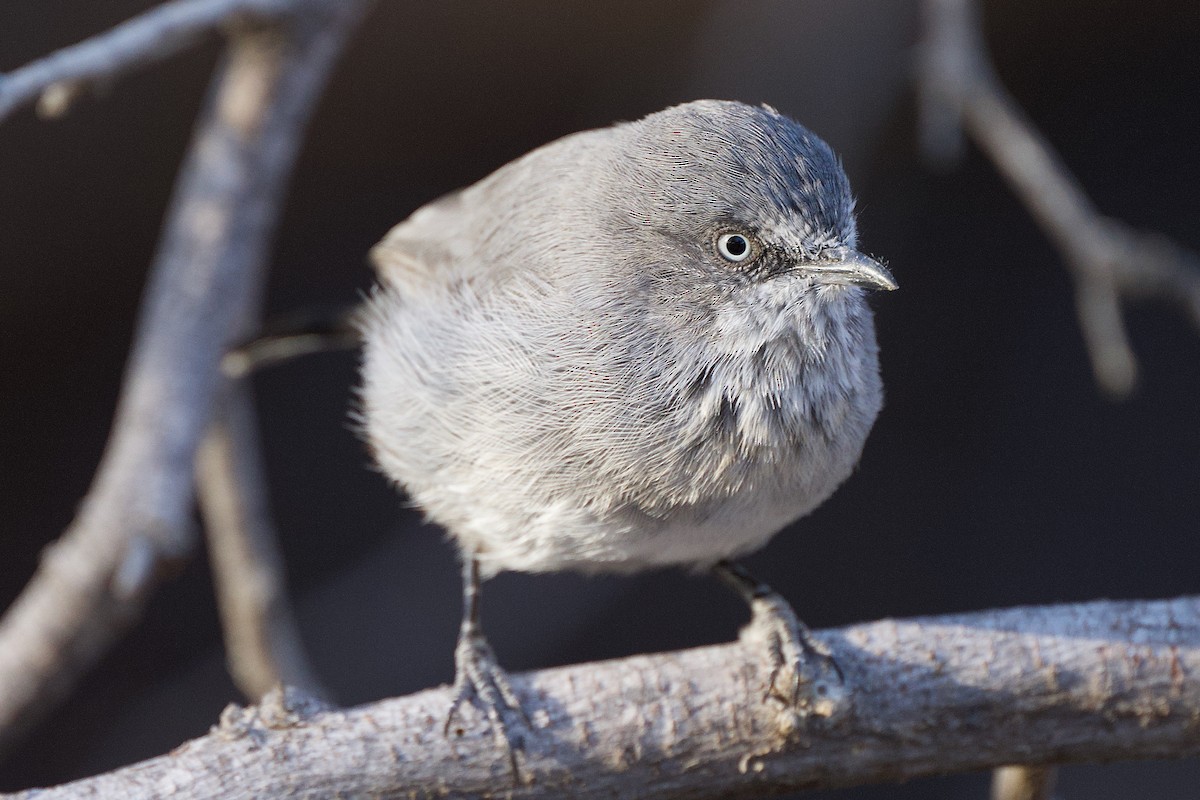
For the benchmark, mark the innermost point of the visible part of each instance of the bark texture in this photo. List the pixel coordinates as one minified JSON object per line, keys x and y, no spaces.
{"x":1063,"y":684}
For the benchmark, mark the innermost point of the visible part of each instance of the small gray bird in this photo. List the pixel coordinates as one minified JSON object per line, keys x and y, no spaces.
{"x":635,"y":347}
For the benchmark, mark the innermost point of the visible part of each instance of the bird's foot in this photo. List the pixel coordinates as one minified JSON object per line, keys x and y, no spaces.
{"x":481,"y":681}
{"x":804,"y":676}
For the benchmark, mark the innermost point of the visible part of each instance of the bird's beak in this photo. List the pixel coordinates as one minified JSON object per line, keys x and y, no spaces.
{"x":850,"y":267}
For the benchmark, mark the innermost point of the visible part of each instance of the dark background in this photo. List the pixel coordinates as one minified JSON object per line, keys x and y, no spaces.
{"x":997,"y":474}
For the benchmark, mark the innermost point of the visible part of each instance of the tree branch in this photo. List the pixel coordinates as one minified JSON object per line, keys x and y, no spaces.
{"x":262,"y":642}
{"x":1098,"y":681}
{"x":202,"y":295}
{"x":1108,"y":260}
{"x":158,"y":34}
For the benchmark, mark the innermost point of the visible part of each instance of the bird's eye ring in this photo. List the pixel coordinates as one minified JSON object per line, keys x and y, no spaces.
{"x":734,"y":247}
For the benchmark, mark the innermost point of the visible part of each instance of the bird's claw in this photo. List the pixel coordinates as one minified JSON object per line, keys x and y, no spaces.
{"x":481,"y":681}
{"x":804,"y":675}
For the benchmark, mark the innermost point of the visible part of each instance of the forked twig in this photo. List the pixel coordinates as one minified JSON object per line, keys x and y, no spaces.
{"x":58,"y":79}
{"x":1108,"y":260}
{"x":203,"y":295}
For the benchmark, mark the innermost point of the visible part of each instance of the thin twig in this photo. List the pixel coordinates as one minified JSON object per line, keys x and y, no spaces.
{"x":59,"y":78}
{"x":289,"y":336}
{"x":262,"y":642}
{"x":1098,"y":681}
{"x":1108,"y":260}
{"x":202,"y":295}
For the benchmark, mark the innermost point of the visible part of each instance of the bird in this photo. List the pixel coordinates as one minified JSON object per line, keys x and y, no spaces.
{"x":635,"y":347}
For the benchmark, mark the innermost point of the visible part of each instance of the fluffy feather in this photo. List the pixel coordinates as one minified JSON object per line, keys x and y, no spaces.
{"x":562,"y":372}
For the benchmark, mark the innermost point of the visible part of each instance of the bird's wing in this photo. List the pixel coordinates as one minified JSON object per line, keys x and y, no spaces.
{"x":461,"y":234}
{"x":432,"y":245}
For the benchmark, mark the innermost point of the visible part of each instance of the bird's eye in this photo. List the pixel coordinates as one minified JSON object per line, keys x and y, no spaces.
{"x":733,"y":247}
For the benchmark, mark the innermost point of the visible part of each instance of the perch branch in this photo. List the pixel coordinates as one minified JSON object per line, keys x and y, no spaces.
{"x":1107,"y":259}
{"x":1090,"y":682}
{"x":262,"y":643}
{"x":202,"y":294}
{"x":56,"y":80}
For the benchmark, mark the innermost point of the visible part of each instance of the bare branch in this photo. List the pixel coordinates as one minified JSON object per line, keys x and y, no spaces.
{"x":154,"y":36}
{"x":1072,"y":683}
{"x":1108,"y":261}
{"x":202,"y":295}
{"x":295,"y":334}
{"x":262,"y":643}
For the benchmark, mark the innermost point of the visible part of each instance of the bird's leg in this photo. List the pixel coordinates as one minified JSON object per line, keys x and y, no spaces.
{"x":478,"y":678}
{"x":803,"y":675}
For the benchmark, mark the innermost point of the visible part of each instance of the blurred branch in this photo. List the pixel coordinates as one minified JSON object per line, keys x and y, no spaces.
{"x":1108,"y":260}
{"x":59,"y":78}
{"x":1097,"y":681}
{"x":1023,"y":783}
{"x":262,"y":643}
{"x":203,"y":293}
{"x":298,"y":333}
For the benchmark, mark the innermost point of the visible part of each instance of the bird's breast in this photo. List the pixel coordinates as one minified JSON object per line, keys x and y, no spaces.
{"x":773,"y":413}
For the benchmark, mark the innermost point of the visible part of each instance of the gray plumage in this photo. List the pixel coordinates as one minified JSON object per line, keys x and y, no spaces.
{"x":563,"y":370}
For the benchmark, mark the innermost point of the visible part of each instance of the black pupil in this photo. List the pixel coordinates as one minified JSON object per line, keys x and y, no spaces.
{"x":736,"y":245}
